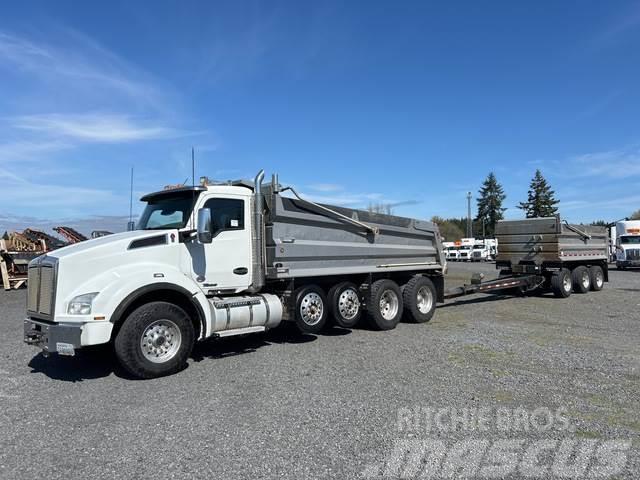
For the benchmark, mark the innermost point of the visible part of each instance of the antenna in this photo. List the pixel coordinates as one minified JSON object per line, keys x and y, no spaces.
{"x":193,"y":184}
{"x":131,"y":225}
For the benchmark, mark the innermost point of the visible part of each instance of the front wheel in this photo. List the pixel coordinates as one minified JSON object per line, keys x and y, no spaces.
{"x":155,"y":340}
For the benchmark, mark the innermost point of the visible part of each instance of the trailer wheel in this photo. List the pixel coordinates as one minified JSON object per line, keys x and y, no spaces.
{"x":597,"y":278}
{"x":384,"y":305}
{"x":311,"y":309}
{"x":346,"y":308}
{"x":155,"y":340}
{"x":419,"y":296}
{"x":561,"y":283}
{"x":581,"y":279}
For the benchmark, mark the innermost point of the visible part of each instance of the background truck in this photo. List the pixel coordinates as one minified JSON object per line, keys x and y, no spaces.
{"x":627,"y":243}
{"x":484,"y":250}
{"x":466,"y":249}
{"x":448,"y":249}
{"x":234,"y":258}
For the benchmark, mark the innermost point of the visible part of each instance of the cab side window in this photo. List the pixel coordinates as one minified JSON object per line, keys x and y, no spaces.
{"x":226,"y":214}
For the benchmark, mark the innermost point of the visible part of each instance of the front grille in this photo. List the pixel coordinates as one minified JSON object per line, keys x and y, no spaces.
{"x":41,"y":287}
{"x":33,"y":284}
{"x":633,"y":254}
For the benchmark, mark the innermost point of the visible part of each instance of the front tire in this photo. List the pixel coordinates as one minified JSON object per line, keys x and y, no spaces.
{"x":384,"y":305}
{"x":581,"y":279}
{"x":155,"y":340}
{"x":419,"y":296}
{"x":561,"y":284}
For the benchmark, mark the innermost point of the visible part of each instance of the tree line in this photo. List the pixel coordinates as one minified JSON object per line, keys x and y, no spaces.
{"x":541,"y":202}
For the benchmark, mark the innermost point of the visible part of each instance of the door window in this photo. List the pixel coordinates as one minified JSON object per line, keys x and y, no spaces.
{"x":226,"y":214}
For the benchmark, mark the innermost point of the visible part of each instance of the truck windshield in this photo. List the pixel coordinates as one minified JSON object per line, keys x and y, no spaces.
{"x":166,"y":213}
{"x":634,"y":240}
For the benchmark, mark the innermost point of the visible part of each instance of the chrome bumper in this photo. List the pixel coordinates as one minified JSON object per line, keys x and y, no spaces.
{"x":52,"y":337}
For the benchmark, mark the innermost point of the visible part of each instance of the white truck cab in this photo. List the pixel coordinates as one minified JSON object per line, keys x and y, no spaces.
{"x":466,"y":249}
{"x":627,"y":244}
{"x":484,"y":250}
{"x":448,"y":247}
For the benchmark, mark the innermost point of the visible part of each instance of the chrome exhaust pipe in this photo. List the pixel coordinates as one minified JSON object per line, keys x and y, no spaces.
{"x":258,"y":234}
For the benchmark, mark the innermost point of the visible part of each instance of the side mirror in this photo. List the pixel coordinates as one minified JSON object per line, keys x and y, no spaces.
{"x":204,"y":225}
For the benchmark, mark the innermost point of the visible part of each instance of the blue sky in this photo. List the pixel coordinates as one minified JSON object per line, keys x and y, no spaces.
{"x":351,"y":102}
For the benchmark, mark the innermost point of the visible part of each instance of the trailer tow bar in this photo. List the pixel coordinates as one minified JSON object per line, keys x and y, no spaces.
{"x":526,"y":282}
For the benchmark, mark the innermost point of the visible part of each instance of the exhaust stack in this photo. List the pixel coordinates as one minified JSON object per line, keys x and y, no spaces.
{"x":258,"y":235}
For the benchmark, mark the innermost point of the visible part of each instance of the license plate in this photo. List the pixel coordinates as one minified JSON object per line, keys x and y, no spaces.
{"x":65,"y":349}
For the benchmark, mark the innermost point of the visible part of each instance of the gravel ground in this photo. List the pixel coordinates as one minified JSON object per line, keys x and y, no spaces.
{"x":282,"y":405}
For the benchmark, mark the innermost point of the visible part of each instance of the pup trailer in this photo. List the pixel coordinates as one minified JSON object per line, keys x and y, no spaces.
{"x":224,"y":259}
{"x":546,"y":254}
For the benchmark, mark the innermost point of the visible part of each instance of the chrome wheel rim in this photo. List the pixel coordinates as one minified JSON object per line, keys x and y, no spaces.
{"x":311,"y":308}
{"x":566,"y":283}
{"x":389,"y":304}
{"x":599,"y":279}
{"x":161,"y":341}
{"x":348,"y":304}
{"x":585,"y":280}
{"x":424,"y":299}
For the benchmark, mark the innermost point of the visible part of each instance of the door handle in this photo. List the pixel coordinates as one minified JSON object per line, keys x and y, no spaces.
{"x":241,"y":270}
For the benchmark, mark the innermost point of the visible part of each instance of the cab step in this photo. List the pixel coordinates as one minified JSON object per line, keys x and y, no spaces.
{"x":239,"y":331}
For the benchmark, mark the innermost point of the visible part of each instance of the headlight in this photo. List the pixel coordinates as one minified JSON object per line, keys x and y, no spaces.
{"x":81,"y":305}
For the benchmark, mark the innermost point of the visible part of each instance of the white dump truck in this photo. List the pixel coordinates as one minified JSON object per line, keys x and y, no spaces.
{"x":224,"y":259}
{"x":627,"y":244}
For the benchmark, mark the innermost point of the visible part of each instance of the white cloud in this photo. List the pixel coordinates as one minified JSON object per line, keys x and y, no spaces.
{"x":93,"y":127}
{"x":326,"y":187}
{"x":29,"y":150}
{"x":85,"y":65}
{"x":35,"y":195}
{"x":621,"y":163}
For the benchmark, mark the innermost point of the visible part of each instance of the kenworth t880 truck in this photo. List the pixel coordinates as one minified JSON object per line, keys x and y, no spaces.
{"x":233,"y":258}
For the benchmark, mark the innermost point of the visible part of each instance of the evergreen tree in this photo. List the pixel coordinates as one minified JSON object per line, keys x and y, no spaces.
{"x":540,"y":201}
{"x":490,"y":204}
{"x":635,"y":215}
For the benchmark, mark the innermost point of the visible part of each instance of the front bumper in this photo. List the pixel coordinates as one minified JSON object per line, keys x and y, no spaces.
{"x":628,"y":263}
{"x":52,"y":337}
{"x":65,"y":338}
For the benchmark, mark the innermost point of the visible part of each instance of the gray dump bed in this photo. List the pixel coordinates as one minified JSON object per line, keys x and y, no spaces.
{"x":548,"y":240}
{"x":304,"y":240}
